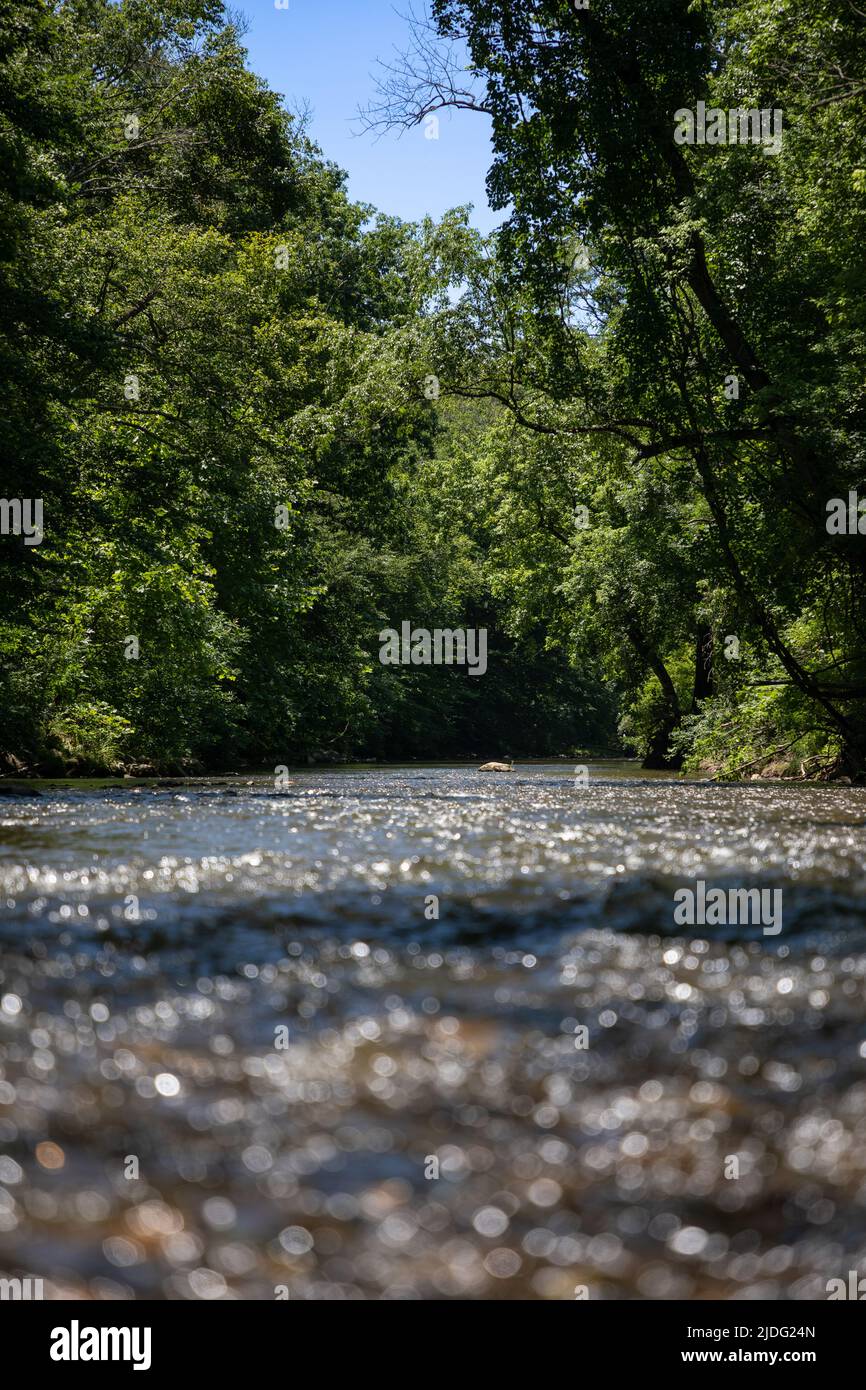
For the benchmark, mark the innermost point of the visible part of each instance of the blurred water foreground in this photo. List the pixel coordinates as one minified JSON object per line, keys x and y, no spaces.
{"x":244,"y":1058}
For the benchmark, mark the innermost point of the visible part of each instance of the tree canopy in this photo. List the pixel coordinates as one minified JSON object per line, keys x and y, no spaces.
{"x":637,"y":468}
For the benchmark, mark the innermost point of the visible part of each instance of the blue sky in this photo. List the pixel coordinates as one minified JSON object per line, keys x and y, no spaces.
{"x":323,"y":52}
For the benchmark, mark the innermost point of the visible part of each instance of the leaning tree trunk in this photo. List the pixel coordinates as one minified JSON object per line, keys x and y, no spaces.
{"x":704,"y":683}
{"x":658,"y":754}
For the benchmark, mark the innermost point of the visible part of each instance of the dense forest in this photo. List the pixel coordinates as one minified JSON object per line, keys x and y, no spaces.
{"x":250,"y":424}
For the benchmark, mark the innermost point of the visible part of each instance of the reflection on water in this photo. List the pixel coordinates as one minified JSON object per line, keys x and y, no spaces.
{"x":245,"y":997}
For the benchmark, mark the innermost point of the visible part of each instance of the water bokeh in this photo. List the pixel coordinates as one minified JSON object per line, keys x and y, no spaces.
{"x":415,"y":1033}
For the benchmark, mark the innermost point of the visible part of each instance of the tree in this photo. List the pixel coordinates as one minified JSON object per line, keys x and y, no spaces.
{"x":714,"y":328}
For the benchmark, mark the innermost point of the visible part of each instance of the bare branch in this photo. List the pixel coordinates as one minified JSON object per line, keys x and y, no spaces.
{"x":430,"y":75}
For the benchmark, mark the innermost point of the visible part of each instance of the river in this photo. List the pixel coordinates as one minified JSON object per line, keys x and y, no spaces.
{"x":418,"y":1032}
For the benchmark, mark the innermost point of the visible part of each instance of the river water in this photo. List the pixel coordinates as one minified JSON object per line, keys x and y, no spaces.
{"x":425,"y":1033}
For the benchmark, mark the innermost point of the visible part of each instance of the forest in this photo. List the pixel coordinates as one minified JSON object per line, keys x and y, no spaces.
{"x":250,"y":425}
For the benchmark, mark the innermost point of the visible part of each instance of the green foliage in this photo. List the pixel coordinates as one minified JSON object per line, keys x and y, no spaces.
{"x":697,"y":381}
{"x":214,"y":365}
{"x":92,"y":735}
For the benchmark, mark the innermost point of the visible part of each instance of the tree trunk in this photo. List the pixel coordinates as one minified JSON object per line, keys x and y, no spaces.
{"x":658,"y":754}
{"x":704,"y":684}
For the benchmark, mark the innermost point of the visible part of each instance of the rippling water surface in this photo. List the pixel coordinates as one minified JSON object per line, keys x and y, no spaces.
{"x":396,"y":1033}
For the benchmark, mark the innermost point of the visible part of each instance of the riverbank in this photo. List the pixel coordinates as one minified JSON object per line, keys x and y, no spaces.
{"x":16,"y":769}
